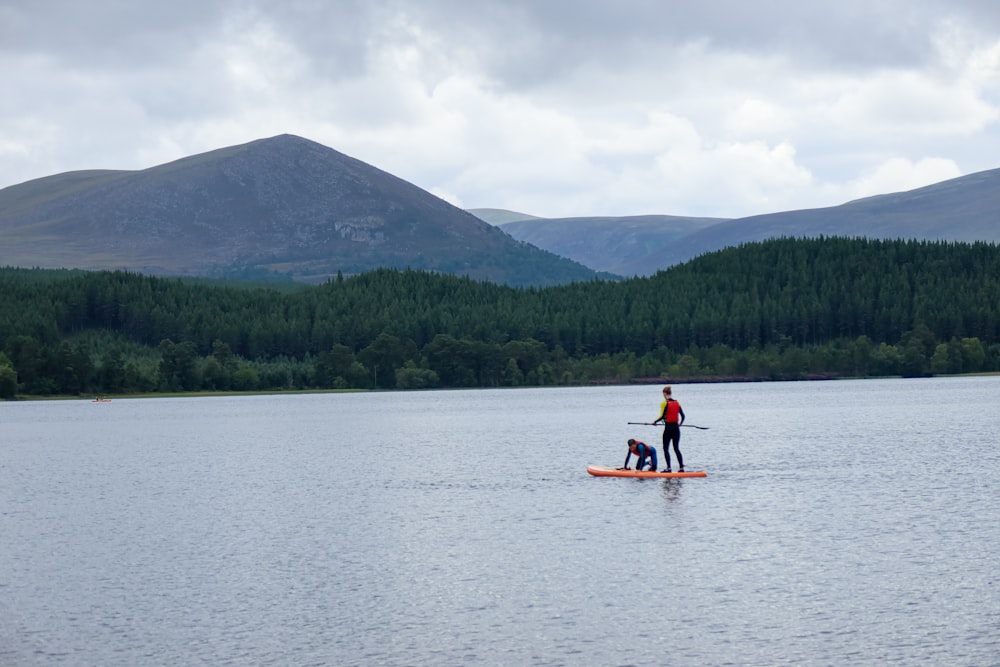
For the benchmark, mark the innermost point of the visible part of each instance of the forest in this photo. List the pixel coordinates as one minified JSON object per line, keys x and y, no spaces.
{"x":784,"y":309}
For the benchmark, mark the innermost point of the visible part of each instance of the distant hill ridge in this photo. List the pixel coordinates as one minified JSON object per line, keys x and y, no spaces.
{"x":960,"y":209}
{"x":283,"y":205}
{"x":618,"y":245}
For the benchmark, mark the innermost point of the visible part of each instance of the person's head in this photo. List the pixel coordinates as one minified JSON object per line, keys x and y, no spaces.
{"x":667,"y":393}
{"x":631,"y":443}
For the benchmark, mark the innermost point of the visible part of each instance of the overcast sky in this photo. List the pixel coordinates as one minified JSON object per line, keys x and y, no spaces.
{"x":549,"y":107}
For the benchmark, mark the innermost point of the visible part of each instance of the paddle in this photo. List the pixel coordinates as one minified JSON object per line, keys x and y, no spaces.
{"x":703,"y":428}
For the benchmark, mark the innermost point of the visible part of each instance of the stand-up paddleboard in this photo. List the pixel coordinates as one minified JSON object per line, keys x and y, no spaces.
{"x":608,"y":471}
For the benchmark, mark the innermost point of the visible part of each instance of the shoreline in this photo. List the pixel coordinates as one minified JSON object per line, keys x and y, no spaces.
{"x":107,"y":398}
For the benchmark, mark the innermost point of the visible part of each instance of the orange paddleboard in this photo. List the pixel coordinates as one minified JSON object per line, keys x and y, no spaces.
{"x":608,"y":471}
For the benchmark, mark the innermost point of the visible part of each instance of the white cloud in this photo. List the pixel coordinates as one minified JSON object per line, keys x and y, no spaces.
{"x":636,"y":108}
{"x":758,"y":118}
{"x":909,"y":104}
{"x":899,"y":174}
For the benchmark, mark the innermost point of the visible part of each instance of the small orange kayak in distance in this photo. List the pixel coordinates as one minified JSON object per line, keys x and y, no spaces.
{"x":608,"y":471}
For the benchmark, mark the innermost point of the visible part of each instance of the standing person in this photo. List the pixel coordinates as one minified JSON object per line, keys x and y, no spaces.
{"x":642,"y":451}
{"x":672,"y":416}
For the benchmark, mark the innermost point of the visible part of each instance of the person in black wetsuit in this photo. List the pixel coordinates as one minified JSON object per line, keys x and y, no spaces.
{"x":642,"y":451}
{"x":672,"y":416}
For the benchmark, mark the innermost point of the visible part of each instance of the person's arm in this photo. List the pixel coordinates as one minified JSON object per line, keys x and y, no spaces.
{"x":628,"y":455}
{"x":663,"y":413}
{"x":681,"y":413}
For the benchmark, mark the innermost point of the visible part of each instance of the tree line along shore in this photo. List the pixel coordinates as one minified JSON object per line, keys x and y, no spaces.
{"x":784,"y":309}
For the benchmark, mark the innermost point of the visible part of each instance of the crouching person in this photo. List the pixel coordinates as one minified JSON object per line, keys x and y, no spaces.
{"x":643,"y":452}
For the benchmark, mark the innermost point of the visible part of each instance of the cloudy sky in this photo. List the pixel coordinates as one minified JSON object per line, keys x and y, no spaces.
{"x":549,"y":107}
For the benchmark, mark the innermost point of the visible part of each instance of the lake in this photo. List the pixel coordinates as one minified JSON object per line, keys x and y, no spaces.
{"x":841,"y":522}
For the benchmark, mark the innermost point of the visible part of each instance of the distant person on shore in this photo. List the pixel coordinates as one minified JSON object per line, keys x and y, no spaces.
{"x":642,"y":451}
{"x":672,"y":416}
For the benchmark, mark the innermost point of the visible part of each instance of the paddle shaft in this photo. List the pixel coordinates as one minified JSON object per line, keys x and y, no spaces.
{"x":703,"y":428}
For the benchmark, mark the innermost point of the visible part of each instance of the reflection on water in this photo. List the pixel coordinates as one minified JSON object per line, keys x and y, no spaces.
{"x":855,"y":526}
{"x":671,"y":489}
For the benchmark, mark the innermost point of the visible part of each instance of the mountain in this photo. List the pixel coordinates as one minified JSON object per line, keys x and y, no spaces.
{"x":279,"y":206}
{"x":961,"y":209}
{"x":291,"y":208}
{"x":616,"y":245}
{"x":966,"y":208}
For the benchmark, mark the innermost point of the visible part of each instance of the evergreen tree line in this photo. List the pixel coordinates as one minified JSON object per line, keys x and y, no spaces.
{"x":780,"y":309}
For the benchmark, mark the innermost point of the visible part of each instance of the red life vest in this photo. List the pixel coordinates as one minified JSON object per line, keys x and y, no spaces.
{"x":672,"y":412}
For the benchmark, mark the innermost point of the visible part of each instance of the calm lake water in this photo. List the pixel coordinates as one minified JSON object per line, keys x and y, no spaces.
{"x":848,"y":522}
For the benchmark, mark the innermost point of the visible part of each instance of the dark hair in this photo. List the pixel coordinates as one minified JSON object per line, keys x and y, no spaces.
{"x":631,"y":441}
